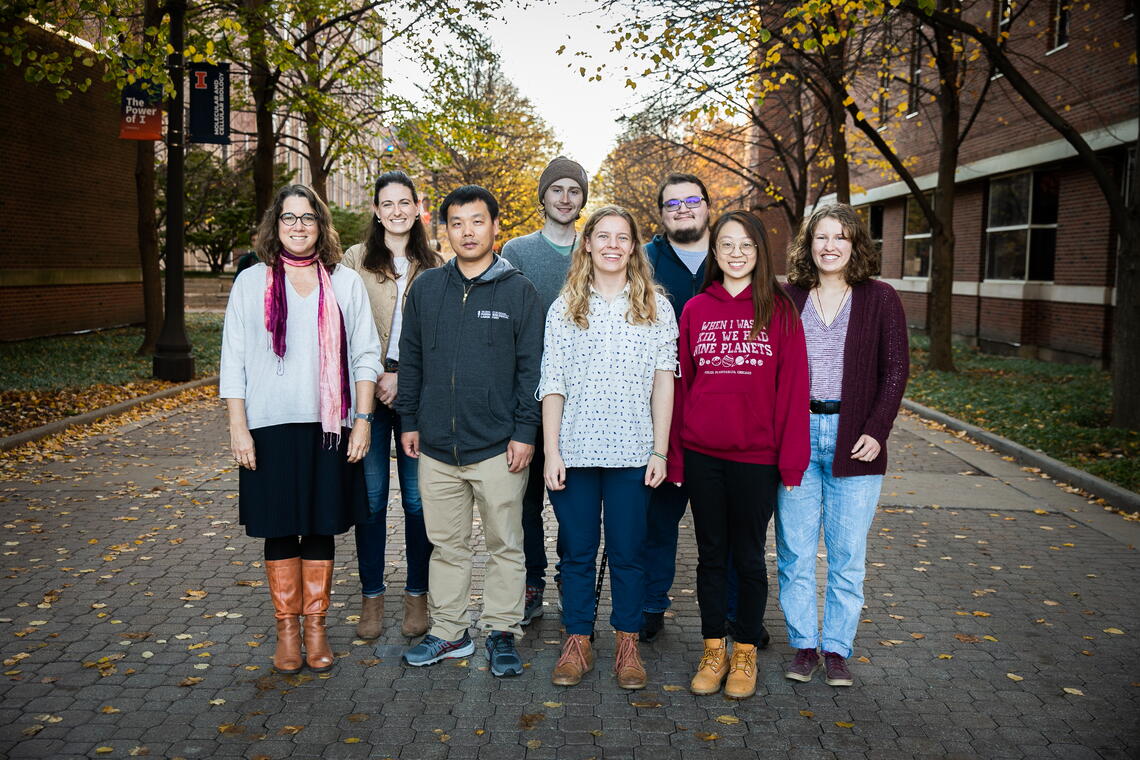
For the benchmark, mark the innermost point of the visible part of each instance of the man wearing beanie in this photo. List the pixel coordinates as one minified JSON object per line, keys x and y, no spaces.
{"x":544,"y":258}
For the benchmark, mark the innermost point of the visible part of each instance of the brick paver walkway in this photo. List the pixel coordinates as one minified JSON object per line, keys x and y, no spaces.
{"x":134,"y":621}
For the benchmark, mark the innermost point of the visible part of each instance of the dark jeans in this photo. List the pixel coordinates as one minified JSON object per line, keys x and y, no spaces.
{"x":534,"y":534}
{"x":666,"y":508}
{"x":733,"y":503}
{"x":580,"y":517}
{"x":371,"y":535}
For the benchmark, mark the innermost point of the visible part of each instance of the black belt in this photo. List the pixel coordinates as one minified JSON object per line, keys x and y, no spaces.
{"x":391,"y":365}
{"x":825,"y":407}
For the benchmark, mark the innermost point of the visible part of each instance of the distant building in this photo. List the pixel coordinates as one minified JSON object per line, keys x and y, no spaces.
{"x":1035,"y":251}
{"x":69,"y":257}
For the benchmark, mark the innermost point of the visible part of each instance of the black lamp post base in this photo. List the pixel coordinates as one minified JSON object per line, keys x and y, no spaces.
{"x":178,"y":369}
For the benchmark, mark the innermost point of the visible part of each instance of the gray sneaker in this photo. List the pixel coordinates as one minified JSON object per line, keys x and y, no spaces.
{"x":502,"y":656}
{"x":433,"y":649}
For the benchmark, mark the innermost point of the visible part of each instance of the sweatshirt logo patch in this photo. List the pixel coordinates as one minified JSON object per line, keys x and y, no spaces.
{"x":488,"y":314}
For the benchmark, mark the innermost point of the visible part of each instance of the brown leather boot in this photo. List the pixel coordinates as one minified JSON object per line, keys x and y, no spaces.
{"x":285,"y":589}
{"x":317,"y":575}
{"x":416,"y":622}
{"x":627,"y":662}
{"x":576,"y":661}
{"x":712,"y":670}
{"x":741,"y":682}
{"x":371,"y":623}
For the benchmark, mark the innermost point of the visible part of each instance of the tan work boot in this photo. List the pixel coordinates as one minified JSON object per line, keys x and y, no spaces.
{"x":741,"y":682}
{"x":317,"y":585}
{"x":712,"y":670}
{"x":416,"y":622}
{"x":627,"y":662}
{"x":576,"y":661}
{"x":371,"y":623}
{"x":285,"y":590}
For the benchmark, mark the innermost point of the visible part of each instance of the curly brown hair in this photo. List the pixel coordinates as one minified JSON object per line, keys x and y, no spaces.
{"x":268,"y":245}
{"x":864,"y":263}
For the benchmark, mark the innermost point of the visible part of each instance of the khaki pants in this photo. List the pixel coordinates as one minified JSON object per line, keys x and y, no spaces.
{"x":448,"y":493}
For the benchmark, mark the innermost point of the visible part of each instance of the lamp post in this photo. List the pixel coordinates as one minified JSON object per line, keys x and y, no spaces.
{"x":172,"y":357}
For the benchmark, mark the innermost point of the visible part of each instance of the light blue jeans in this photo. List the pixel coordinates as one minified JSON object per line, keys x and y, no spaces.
{"x":845,"y":508}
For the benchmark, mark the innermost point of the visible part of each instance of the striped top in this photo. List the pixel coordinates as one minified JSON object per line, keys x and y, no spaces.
{"x":825,"y":350}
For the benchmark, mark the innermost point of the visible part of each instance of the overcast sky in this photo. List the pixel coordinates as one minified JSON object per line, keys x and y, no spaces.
{"x":583,"y":114}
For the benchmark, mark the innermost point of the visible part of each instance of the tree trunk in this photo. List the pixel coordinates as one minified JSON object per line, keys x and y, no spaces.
{"x":939,"y":304}
{"x":146,"y":224}
{"x":1126,"y":312}
{"x":1126,"y":324}
{"x":837,"y":116}
{"x":314,"y":148}
{"x":148,"y":245}
{"x":263,"y":86}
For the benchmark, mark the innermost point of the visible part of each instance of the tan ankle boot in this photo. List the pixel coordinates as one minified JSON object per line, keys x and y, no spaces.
{"x":317,"y":575}
{"x":627,"y":662}
{"x":416,"y":621}
{"x":285,"y":589}
{"x":741,"y":682}
{"x":371,"y":623}
{"x":712,"y":670}
{"x":576,"y":661}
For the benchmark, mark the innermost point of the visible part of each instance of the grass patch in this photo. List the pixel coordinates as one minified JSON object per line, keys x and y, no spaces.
{"x":46,"y":379}
{"x":1063,"y":410}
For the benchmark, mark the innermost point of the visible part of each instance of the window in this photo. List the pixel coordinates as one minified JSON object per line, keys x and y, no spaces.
{"x":916,"y":240}
{"x":1021,"y":231}
{"x":913,"y":93}
{"x":872,"y":216}
{"x":1059,"y":23}
{"x":1003,"y":18}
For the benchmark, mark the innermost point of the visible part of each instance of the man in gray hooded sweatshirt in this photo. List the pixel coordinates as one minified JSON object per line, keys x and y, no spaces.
{"x":470,"y":356}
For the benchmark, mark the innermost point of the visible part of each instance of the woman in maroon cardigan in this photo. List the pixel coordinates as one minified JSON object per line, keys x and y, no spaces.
{"x":858,"y":359}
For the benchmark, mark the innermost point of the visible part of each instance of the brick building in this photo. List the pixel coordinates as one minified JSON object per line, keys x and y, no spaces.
{"x":1035,"y":251}
{"x":69,"y":257}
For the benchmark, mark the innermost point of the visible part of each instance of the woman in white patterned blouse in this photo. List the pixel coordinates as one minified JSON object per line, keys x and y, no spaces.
{"x":610,"y":352}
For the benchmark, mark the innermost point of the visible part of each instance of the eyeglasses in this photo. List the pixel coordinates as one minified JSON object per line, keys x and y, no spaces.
{"x":675,"y":205}
{"x":306,"y":219}
{"x":746,"y":248}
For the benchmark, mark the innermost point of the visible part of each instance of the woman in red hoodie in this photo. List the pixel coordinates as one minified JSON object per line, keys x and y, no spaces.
{"x":741,"y":420}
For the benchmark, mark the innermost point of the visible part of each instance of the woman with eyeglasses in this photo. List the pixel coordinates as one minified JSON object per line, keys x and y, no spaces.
{"x":394,"y":254}
{"x":300,"y":356}
{"x":859,"y":358}
{"x":741,"y":421}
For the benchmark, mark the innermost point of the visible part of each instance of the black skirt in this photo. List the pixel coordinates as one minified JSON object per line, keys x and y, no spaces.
{"x":300,"y":487}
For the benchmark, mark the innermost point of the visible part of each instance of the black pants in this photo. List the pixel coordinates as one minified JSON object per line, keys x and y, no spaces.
{"x":732,"y":503}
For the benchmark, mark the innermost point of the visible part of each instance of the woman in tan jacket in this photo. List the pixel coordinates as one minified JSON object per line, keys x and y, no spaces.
{"x":396,"y":251}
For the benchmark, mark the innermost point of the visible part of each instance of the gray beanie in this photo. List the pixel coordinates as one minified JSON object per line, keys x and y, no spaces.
{"x":563,"y":168}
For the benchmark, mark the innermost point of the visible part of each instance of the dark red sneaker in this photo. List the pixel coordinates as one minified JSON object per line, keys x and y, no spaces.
{"x":807,"y":660}
{"x":835,"y":666}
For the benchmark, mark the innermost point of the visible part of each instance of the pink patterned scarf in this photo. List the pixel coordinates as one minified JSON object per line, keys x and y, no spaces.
{"x":335,"y":398}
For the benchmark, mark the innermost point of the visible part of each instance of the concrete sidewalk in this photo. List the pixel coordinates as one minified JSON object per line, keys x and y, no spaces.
{"x":1001,"y":620}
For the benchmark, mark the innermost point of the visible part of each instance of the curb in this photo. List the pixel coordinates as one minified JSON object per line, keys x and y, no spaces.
{"x":43,"y":431}
{"x":1119,"y":497}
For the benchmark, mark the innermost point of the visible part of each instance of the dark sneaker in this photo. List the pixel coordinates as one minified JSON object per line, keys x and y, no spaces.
{"x":502,"y":656}
{"x":731,"y":631}
{"x":533,"y":607}
{"x":432,"y":649}
{"x":835,"y":666}
{"x":651,"y":625}
{"x":801,"y":669}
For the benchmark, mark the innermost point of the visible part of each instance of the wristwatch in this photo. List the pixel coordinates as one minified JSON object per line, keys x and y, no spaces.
{"x":366,"y":417}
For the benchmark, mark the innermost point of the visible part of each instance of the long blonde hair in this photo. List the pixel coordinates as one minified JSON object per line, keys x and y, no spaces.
{"x":642,"y":289}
